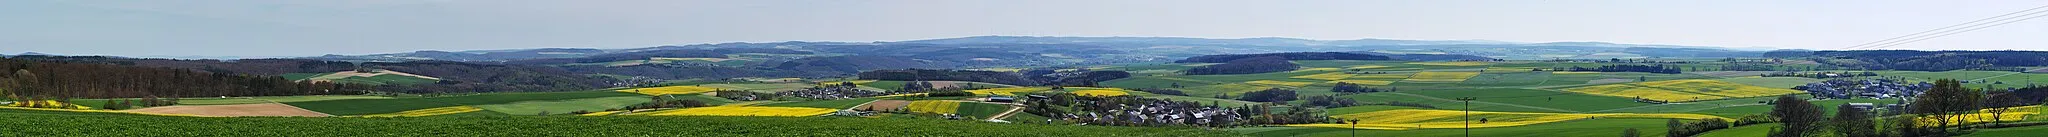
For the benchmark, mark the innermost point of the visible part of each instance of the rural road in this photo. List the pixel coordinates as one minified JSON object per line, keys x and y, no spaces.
{"x":1006,"y":114}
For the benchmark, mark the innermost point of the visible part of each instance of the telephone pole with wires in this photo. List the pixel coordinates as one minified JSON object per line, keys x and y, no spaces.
{"x":1468,"y":114}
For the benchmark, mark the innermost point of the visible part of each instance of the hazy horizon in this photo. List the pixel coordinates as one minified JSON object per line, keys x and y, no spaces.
{"x":310,"y":28}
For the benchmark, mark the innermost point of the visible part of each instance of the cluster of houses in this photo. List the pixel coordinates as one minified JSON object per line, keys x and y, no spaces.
{"x":831,"y":92}
{"x":1869,"y":88}
{"x":1157,"y":113}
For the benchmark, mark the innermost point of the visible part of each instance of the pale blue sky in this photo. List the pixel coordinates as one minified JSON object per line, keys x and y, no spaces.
{"x":308,"y":28}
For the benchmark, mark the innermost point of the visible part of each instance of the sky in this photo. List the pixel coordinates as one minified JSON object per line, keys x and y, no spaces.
{"x":317,"y":27}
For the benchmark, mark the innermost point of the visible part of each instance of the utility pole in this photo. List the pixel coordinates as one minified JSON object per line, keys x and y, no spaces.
{"x":1468,"y":114}
{"x":1354,"y":127}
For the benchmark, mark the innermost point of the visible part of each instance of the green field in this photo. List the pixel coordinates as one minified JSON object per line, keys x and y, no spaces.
{"x":558,"y":106}
{"x":977,"y":110}
{"x":1538,"y":98}
{"x":300,"y":76}
{"x":1575,"y":128}
{"x":1976,"y":79}
{"x":380,"y":106}
{"x":2030,"y":131}
{"x":1743,"y":131}
{"x":760,"y":87}
{"x":1772,"y":82}
{"x":51,"y":123}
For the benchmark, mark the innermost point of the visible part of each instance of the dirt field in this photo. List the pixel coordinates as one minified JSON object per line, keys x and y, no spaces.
{"x":945,"y":84}
{"x":262,"y":109}
{"x":346,"y":74}
{"x":884,"y":105}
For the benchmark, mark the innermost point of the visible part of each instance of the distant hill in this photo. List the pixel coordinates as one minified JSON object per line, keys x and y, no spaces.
{"x":1428,"y":57}
{"x":1062,"y":50}
{"x":1921,"y":60}
{"x":1286,"y":56}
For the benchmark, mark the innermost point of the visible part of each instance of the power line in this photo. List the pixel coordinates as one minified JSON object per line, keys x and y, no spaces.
{"x":1972,"y":29}
{"x":1974,"y":25}
{"x":1866,"y":45}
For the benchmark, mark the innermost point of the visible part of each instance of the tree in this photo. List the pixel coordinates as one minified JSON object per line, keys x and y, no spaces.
{"x":1945,"y":101}
{"x":1907,"y":125}
{"x":1631,"y":132}
{"x":1850,"y":121}
{"x":2001,"y":103}
{"x":1677,"y":128}
{"x":1799,"y":117}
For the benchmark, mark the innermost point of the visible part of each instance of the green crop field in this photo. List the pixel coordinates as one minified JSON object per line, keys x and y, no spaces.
{"x":1743,"y":131}
{"x":380,"y":106}
{"x":92,"y":124}
{"x":2030,"y":131}
{"x":1772,"y":82}
{"x":981,"y":110}
{"x":1576,"y":128}
{"x":301,"y":76}
{"x":1538,"y":98}
{"x":760,"y":87}
{"x":564,"y":106}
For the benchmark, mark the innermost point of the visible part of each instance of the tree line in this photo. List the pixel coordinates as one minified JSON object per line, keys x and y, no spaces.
{"x":1284,"y":56}
{"x":61,"y":80}
{"x":1246,"y":66}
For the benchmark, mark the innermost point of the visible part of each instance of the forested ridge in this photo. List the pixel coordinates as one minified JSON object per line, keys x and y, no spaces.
{"x":1285,"y":56}
{"x":455,"y":76}
{"x":1920,"y":60}
{"x":1246,"y":66}
{"x":57,"y":80}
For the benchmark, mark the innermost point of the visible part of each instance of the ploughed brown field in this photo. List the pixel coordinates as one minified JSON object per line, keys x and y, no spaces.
{"x":883,"y":105}
{"x":237,"y":110}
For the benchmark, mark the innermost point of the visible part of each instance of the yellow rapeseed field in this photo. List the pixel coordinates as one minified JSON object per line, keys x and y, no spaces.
{"x":742,"y":111}
{"x":1279,"y":83}
{"x":1364,"y":82}
{"x":934,"y":106}
{"x":1686,"y":90}
{"x":99,"y":111}
{"x":600,"y":113}
{"x":1451,"y":63}
{"x":1326,"y":76}
{"x":669,"y":90}
{"x":1100,"y":92}
{"x":1009,"y":91}
{"x":1985,"y":115}
{"x":47,"y":103}
{"x":1402,"y":119}
{"x":429,"y":112}
{"x":1441,"y":76}
{"x":1383,"y":76}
